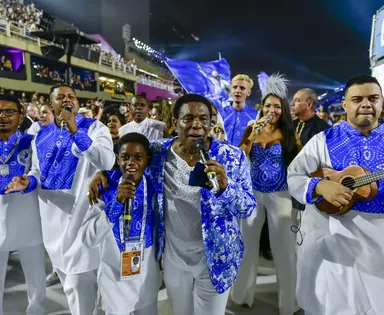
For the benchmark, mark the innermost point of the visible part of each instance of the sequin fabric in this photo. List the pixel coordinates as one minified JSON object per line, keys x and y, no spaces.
{"x":114,"y":210}
{"x":223,"y":245}
{"x":347,"y":146}
{"x":20,"y":161}
{"x":236,"y":122}
{"x":58,"y":153}
{"x":268,"y":170}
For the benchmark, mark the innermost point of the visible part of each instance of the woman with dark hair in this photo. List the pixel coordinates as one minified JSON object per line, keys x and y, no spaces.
{"x":114,"y":121}
{"x":271,"y":146}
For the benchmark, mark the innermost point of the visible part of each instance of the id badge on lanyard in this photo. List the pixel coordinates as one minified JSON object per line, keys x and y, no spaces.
{"x":133,"y":254}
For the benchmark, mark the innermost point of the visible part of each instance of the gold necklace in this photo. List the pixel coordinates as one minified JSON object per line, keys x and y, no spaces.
{"x":187,"y":154}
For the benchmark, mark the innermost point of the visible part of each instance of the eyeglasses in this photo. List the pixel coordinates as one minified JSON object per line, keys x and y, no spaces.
{"x":8,"y":112}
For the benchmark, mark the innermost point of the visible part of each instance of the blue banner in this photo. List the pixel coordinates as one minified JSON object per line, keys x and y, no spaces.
{"x":262,"y":77}
{"x":379,"y":36}
{"x":209,"y":79}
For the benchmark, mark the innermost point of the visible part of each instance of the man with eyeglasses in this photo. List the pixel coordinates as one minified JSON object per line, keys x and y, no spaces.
{"x":20,"y":227}
{"x":66,"y":154}
{"x":152,"y":129}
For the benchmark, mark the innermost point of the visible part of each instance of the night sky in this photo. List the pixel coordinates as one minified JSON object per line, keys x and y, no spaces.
{"x":316,"y":43}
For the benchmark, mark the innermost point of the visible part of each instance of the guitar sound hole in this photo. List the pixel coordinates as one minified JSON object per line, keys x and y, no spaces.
{"x":348,"y":182}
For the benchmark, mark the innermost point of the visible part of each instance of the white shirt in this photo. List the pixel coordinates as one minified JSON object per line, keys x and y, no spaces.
{"x":62,"y":211}
{"x":152,"y":129}
{"x":119,"y":297}
{"x":183,"y":230}
{"x":34,"y":129}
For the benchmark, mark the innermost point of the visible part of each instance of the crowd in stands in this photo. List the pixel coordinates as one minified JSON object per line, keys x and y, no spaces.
{"x":43,"y":74}
{"x":119,"y":63}
{"x":28,"y":16}
{"x":5,"y":64}
{"x":24,"y":15}
{"x":155,"y":82}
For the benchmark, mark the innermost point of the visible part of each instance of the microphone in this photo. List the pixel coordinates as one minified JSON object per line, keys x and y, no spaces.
{"x":268,"y":118}
{"x":202,"y":148}
{"x":128,"y":213}
{"x":64,"y":124}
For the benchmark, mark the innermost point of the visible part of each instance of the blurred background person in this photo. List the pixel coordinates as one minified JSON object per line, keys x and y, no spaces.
{"x":85,"y":112}
{"x":46,"y":118}
{"x":114,"y":122}
{"x":32,"y":115}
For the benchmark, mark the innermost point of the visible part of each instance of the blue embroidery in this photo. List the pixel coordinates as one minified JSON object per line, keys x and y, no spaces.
{"x":114,"y":210}
{"x":347,"y":146}
{"x":268,"y":170}
{"x":311,"y":186}
{"x":20,"y":162}
{"x":224,"y":248}
{"x":236,"y":122}
{"x":58,"y":153}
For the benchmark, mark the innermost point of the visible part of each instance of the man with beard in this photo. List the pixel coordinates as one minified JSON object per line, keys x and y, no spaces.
{"x":66,"y":154}
{"x":152,"y":129}
{"x":20,"y":227}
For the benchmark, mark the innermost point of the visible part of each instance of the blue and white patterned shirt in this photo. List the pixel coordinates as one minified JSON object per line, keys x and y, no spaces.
{"x":114,"y":209}
{"x":347,"y":146}
{"x":59,"y":151}
{"x":224,"y":247}
{"x":236,"y":122}
{"x":268,"y":170}
{"x":20,"y":161}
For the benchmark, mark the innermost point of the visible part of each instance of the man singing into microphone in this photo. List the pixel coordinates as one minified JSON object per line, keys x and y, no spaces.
{"x":64,"y":161}
{"x":125,"y":237}
{"x":198,"y":233}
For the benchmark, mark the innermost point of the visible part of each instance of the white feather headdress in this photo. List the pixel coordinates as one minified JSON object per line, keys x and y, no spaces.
{"x":276,"y":84}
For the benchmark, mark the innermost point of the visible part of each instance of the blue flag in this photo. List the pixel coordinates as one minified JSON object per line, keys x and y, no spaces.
{"x":262,"y":77}
{"x":209,"y":79}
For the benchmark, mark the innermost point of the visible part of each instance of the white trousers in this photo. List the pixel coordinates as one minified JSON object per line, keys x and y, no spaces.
{"x":278,"y":208}
{"x":192,"y":294}
{"x":32,"y":261}
{"x":81,"y":291}
{"x":148,"y":310}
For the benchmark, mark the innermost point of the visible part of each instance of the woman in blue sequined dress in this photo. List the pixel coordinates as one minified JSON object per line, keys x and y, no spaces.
{"x":271,"y":146}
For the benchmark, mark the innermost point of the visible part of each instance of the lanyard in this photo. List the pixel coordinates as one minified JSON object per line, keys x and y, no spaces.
{"x":13,"y":150}
{"x":126,"y":219}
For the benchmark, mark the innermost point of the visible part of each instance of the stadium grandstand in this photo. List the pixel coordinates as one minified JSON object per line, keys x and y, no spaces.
{"x":99,"y":73}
